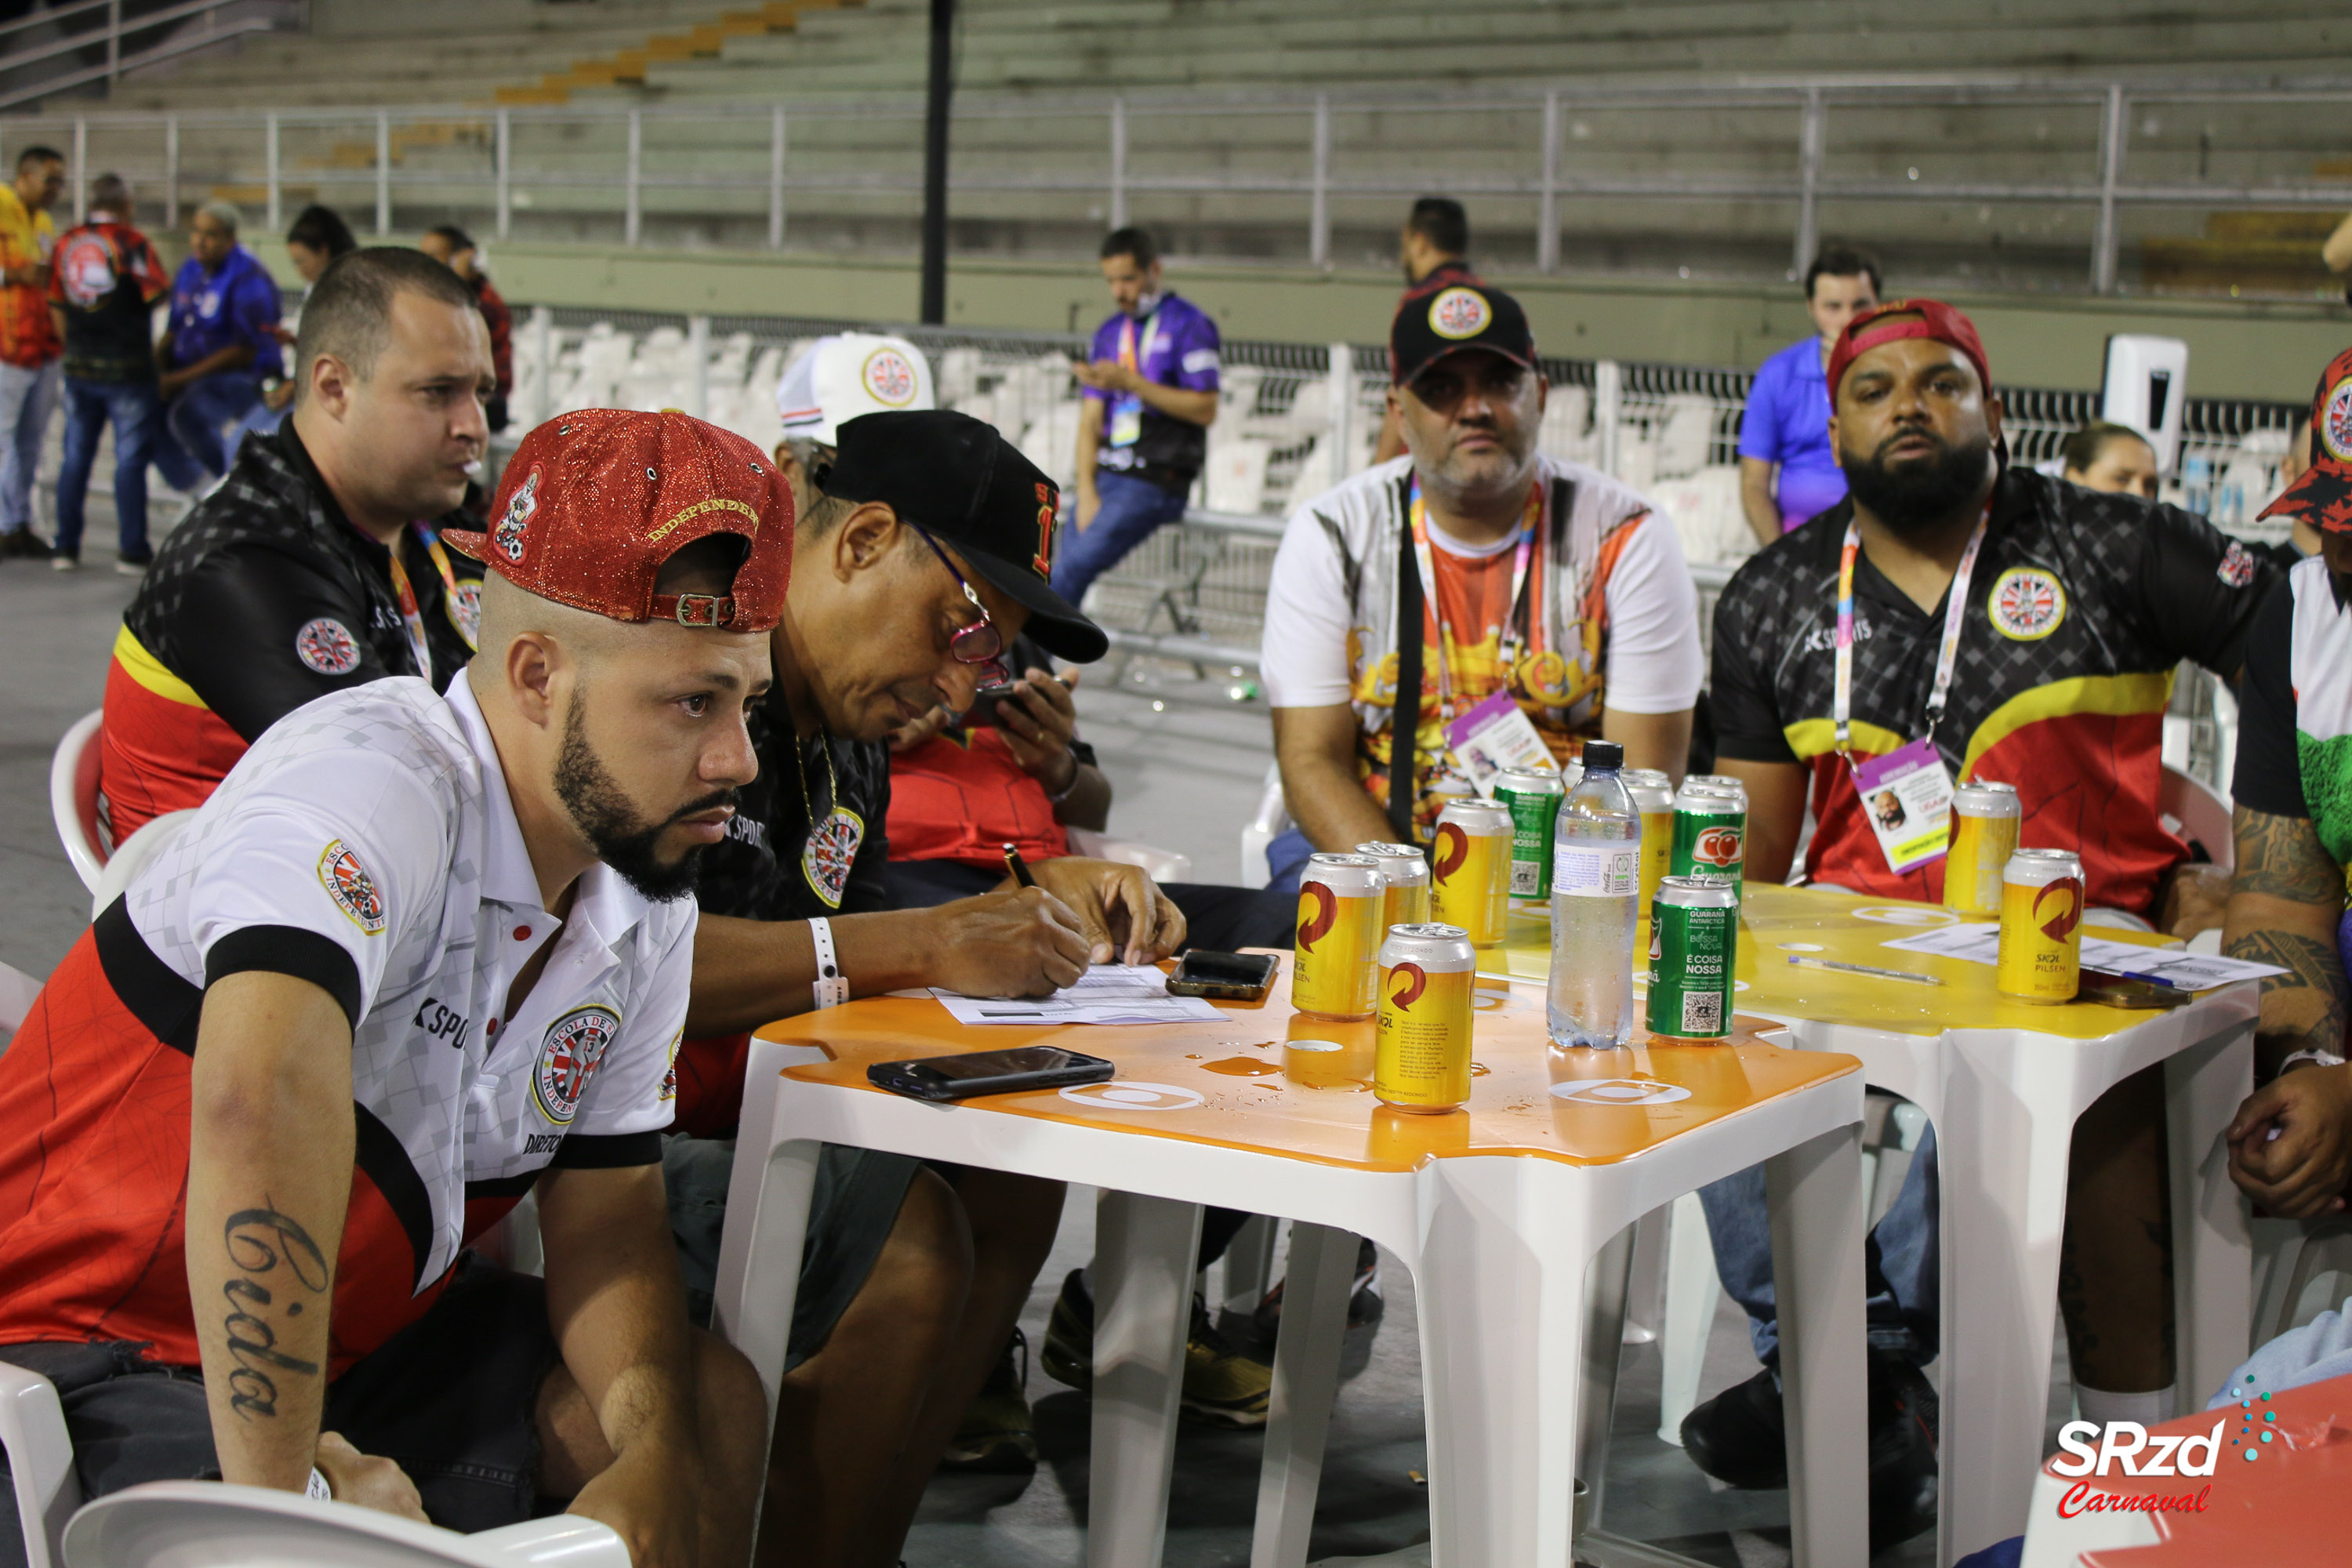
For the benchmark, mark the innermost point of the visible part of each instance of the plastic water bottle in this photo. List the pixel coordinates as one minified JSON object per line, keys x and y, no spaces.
{"x":2197,"y":485}
{"x":1595,"y":879}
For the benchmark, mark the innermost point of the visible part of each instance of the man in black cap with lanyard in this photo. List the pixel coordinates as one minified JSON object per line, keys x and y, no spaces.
{"x":928,"y":550}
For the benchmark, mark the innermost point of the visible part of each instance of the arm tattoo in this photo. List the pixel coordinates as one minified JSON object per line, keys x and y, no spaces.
{"x":261,"y":1243}
{"x":2304,"y":1010}
{"x":2282,"y":857}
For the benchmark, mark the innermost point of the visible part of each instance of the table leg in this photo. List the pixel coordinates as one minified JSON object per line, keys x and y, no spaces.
{"x":760,"y":1254}
{"x":1606,"y":1285}
{"x":1306,"y":1381}
{"x":1144,"y":1249}
{"x":1814,"y":1194}
{"x":2212,"y":1237}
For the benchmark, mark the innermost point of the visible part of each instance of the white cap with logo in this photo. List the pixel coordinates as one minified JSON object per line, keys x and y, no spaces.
{"x":846,"y":374}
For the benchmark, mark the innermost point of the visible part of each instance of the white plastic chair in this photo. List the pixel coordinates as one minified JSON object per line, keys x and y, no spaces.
{"x":73,"y":798}
{"x":208,"y":1524}
{"x":1161,"y":865}
{"x":40,"y":1461}
{"x":1271,"y":819}
{"x":133,"y":856}
{"x":2202,"y":813}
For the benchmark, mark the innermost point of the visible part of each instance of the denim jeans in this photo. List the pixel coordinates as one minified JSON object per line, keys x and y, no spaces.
{"x":188,"y":448}
{"x":27,"y":398}
{"x":1901,"y":1273}
{"x":1286,"y":857}
{"x":1131,"y":508}
{"x":137,"y":412}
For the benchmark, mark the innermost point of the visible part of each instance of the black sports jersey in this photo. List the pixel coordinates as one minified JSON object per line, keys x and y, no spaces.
{"x":2083,"y":605}
{"x":807,"y":839}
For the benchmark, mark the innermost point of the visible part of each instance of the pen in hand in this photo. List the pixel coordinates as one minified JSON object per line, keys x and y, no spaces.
{"x":1018,"y":866}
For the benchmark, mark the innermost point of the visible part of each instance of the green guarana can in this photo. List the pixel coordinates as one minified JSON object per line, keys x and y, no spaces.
{"x":1532,"y":797}
{"x":1694,"y":945}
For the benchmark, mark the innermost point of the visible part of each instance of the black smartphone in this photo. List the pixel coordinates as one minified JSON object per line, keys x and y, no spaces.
{"x":990,"y":1072}
{"x":1223,"y":976}
{"x":982,"y":714}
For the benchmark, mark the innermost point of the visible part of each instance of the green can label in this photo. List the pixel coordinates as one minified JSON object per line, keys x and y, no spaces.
{"x":1691,"y":955}
{"x":1710,"y":843}
{"x":1533,"y":817}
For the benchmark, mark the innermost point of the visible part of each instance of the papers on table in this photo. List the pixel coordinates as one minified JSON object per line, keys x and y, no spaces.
{"x":1980,"y":943}
{"x":1107,"y":994}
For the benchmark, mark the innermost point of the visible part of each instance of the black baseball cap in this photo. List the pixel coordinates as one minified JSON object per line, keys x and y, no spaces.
{"x":959,"y":480}
{"x":1434,"y":322}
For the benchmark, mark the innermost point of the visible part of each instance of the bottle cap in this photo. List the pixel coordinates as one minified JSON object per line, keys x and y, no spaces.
{"x":1603,"y":755}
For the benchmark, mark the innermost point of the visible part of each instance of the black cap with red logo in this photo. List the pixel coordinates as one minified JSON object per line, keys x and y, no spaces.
{"x":2322,"y":494}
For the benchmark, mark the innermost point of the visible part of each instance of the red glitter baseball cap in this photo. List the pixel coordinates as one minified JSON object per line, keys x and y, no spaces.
{"x":592,"y":502}
{"x":2322,"y":494}
{"x":1929,"y":319}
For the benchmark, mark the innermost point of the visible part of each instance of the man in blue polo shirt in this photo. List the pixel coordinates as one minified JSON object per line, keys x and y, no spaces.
{"x":1150,"y":392}
{"x":217,"y":349}
{"x":1788,"y":420}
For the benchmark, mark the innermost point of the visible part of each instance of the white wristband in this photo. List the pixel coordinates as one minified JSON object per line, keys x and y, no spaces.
{"x":318,"y":1489}
{"x":2321,"y":1059}
{"x":832,"y":987}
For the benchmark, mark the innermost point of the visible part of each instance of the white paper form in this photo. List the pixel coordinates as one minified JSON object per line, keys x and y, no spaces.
{"x":1106,"y":993}
{"x":1980,"y":943}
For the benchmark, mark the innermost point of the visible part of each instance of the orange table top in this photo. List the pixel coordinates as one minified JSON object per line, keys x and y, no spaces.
{"x":1777,"y":924}
{"x":1243,"y":1082}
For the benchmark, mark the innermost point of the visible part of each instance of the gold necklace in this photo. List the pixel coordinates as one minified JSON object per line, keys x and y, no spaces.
{"x":800,"y":770}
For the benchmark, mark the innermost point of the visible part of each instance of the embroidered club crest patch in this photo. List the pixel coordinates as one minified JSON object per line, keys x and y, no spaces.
{"x":568,"y":1058}
{"x":889,"y":379}
{"x":2335,"y":423}
{"x":522,"y":506}
{"x":1459,"y":314}
{"x":84,"y":270}
{"x":2237,"y":567}
{"x":831,"y":849}
{"x":327,"y":646}
{"x":669,"y":1079}
{"x":347,"y":883}
{"x":2027,"y":604}
{"x":466,"y":610}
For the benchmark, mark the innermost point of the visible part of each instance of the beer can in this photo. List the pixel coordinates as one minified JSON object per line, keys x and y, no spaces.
{"x":1983,"y":840}
{"x":1471,"y":882}
{"x":1654,"y":797}
{"x":1721,"y":781}
{"x":2041,"y":926}
{"x":1693,"y":945}
{"x":1404,"y":878}
{"x":1710,"y":831}
{"x":1339,"y":936}
{"x":1532,"y":797}
{"x":1421,"y":1044}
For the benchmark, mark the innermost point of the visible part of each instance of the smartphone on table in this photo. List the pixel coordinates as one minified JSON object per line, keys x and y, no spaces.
{"x":1223,"y":976}
{"x":973,"y":1073}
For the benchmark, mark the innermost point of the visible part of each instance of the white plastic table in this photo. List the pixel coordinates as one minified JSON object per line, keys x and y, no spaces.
{"x":1499,"y":1213}
{"x":2004,"y":1082}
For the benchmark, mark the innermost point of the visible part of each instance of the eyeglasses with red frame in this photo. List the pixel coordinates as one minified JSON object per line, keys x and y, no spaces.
{"x":979,"y":643}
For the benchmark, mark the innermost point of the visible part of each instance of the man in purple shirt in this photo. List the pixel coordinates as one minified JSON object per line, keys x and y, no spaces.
{"x":1787,"y":419}
{"x":216,"y":350}
{"x":1150,"y":395}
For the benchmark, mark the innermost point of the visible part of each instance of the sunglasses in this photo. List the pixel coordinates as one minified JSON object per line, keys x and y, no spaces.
{"x":979,"y":643}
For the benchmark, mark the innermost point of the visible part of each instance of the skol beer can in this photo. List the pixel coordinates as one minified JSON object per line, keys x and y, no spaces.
{"x":1694,"y":945}
{"x":1532,"y":797}
{"x":1654,"y":797}
{"x":1404,"y":878}
{"x":1339,"y":936}
{"x":1471,"y":867}
{"x":2041,"y":926}
{"x":1710,"y":831}
{"x":1982,"y":842}
{"x":1420,"y":1058}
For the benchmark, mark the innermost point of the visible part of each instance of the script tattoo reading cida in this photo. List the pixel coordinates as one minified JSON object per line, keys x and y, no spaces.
{"x":264,"y":1245}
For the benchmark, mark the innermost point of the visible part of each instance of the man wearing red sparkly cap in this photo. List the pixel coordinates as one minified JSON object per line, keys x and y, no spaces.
{"x":417,"y":955}
{"x":2001,"y":626}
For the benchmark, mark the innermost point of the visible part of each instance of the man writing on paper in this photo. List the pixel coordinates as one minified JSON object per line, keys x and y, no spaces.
{"x":1958,"y":617}
{"x":419,"y":955}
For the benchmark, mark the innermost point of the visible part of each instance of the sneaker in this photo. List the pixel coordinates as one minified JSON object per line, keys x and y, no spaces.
{"x":62,"y":561}
{"x":1222,"y":1386}
{"x":1365,"y":1304}
{"x":133,"y":566}
{"x":997,"y":1436}
{"x":23,"y":544}
{"x":1739,"y":1438}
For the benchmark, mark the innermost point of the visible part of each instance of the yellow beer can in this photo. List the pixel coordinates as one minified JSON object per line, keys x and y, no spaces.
{"x":1984,"y":836}
{"x":2041,"y":926}
{"x":1471,"y":883}
{"x":1339,"y":936}
{"x":1404,"y":878}
{"x":1654,"y":797}
{"x":1420,"y":1059}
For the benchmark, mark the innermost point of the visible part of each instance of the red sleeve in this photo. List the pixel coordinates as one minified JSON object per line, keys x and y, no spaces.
{"x":153,"y":281}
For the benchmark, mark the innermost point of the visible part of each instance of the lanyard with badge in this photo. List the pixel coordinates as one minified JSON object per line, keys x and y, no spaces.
{"x":465,"y":613}
{"x":1126,"y":407}
{"x":1494,"y":733}
{"x":1907,"y":794}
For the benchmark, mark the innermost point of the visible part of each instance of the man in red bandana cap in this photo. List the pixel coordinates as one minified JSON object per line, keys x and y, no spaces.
{"x":2007,"y":628}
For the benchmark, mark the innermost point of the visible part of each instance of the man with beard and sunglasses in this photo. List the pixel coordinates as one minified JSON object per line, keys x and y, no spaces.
{"x":926,"y":552}
{"x":420,"y":955}
{"x":2004,"y":626}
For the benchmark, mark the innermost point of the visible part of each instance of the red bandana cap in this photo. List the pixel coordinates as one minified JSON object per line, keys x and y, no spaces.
{"x":594,"y":501}
{"x":1929,"y":319}
{"x":2322,"y":494}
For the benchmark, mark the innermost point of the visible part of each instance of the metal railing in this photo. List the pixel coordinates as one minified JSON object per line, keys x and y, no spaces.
{"x":112,"y":29}
{"x":725,"y":172}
